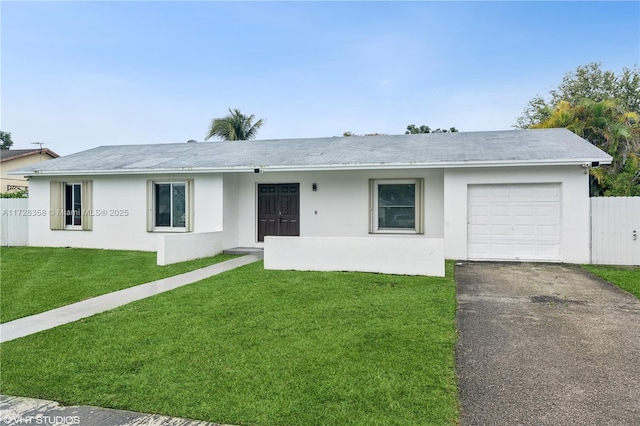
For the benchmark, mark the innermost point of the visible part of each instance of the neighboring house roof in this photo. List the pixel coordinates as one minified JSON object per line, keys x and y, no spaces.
{"x":432,"y":150}
{"x":12,"y":154}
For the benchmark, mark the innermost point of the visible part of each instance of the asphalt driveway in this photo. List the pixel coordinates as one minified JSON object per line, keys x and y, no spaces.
{"x":544,"y":344}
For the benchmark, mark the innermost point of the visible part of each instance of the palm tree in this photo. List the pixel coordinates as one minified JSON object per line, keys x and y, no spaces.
{"x":610,"y":127}
{"x":234,"y":127}
{"x":605,"y":124}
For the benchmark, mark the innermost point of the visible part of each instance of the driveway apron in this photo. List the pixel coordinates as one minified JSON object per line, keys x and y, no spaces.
{"x":544,"y":344}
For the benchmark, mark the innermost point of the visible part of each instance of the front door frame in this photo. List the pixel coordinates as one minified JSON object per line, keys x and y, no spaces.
{"x":279,"y":216}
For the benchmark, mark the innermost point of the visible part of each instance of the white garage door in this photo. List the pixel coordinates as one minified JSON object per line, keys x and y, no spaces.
{"x":514,"y":222}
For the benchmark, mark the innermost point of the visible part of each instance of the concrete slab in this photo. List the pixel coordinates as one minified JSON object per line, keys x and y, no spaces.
{"x":244,"y":250}
{"x":66,"y":314}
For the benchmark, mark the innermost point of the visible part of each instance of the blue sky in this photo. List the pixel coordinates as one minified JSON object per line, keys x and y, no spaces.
{"x":76,"y":75}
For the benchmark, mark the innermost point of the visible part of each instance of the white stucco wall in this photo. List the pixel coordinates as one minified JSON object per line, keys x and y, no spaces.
{"x":386,"y":254}
{"x":340,"y":206}
{"x":179,"y":247}
{"x":231,"y":222}
{"x":574,"y":208}
{"x":115,"y":194}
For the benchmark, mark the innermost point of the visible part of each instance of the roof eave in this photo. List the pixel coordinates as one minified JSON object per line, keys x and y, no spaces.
{"x":587,"y":162}
{"x":28,"y":154}
{"x":440,"y":165}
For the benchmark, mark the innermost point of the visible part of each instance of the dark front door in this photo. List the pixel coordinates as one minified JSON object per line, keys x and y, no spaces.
{"x":278,"y":210}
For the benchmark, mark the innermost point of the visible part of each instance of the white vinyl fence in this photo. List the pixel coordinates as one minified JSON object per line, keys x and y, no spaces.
{"x":615,"y":230}
{"x":14,"y":222}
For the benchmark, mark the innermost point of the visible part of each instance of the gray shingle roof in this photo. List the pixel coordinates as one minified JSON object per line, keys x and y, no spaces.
{"x":499,"y":148}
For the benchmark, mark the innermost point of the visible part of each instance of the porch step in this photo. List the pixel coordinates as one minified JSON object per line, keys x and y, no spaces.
{"x":244,"y":250}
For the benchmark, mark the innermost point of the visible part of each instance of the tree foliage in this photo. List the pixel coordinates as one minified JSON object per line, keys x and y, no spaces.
{"x":17,"y":194}
{"x":349,"y":133}
{"x":412,"y":129}
{"x":604,"y":108}
{"x":586,"y":82}
{"x":611,"y":127}
{"x":5,"y":138}
{"x":235,"y":126}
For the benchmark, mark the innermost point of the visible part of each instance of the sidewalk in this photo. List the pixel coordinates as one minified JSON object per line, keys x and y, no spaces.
{"x":30,"y":411}
{"x":35,"y":323}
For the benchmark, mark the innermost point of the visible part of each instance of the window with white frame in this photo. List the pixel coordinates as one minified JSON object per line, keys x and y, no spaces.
{"x":71,"y":204}
{"x":169,"y":205}
{"x":396,"y":206}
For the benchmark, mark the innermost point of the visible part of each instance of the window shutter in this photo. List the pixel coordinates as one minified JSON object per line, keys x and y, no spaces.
{"x":420,"y":206}
{"x":189,"y":205}
{"x":56,"y":204}
{"x":87,"y":205}
{"x":149,"y":206}
{"x":372,"y":204}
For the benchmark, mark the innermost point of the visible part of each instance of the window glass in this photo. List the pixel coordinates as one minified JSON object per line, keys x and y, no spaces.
{"x":77,"y":205}
{"x":72,"y":204}
{"x":170,"y":205}
{"x":163,"y":204}
{"x":68,"y":205}
{"x":178,"y":205}
{"x":397,"y":206}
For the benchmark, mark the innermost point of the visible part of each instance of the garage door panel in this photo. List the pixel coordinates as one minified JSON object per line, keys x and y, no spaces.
{"x":500,"y":231}
{"x":550,"y":192}
{"x":480,"y":230}
{"x":523,"y":193}
{"x":524,"y":231}
{"x":524,"y":210}
{"x":551,"y":231}
{"x":548,"y":211}
{"x":498,"y":210}
{"x":514,"y":222}
{"x":479,"y":193}
{"x":523,"y":220}
{"x":551,"y":250}
{"x":481,"y":213}
{"x":497,"y":193}
{"x":524,"y":250}
{"x":501,"y":249}
{"x":478,"y":248}
{"x":481,"y":209}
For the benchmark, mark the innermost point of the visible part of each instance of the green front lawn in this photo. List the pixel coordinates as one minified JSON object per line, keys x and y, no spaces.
{"x":257,"y":347}
{"x":625,"y":277}
{"x":36,"y":279}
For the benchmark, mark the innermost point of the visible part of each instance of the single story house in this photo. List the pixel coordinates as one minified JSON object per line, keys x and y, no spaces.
{"x":394,"y":204}
{"x":11,"y":159}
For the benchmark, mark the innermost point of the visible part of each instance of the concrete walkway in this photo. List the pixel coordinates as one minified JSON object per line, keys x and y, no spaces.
{"x":66,"y":314}
{"x":30,"y":411}
{"x":545,"y":344}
